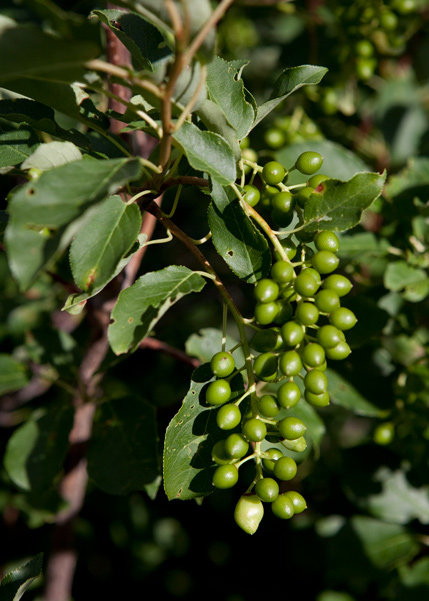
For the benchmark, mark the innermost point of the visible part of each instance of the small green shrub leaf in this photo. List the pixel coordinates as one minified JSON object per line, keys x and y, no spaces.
{"x":14,"y":584}
{"x":13,"y":375}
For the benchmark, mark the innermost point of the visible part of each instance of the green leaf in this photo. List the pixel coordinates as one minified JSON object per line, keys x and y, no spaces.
{"x":17,"y":145}
{"x":139,"y":36}
{"x":399,"y":275}
{"x":41,"y":210}
{"x":103,"y":241}
{"x":385,"y":545}
{"x":54,"y":154}
{"x":413,"y":181}
{"x":205,"y":343}
{"x":290,"y":80}
{"x":36,"y":450}
{"x":14,"y":584}
{"x":344,"y":394}
{"x":190,"y":437}
{"x":207,"y":152}
{"x":142,"y":305}
{"x":28,"y":52}
{"x":339,"y":205}
{"x":399,"y":502}
{"x":236,"y":239}
{"x":229,"y":94}
{"x":362,"y":246}
{"x":13,"y":374}
{"x":122,"y":454}
{"x":215,"y":121}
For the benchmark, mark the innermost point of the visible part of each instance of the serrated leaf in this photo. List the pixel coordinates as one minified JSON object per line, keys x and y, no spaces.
{"x":139,"y":36}
{"x":189,"y":439}
{"x":41,"y":210}
{"x":236,"y":239}
{"x":36,"y":450}
{"x":142,"y":305}
{"x":290,"y":80}
{"x":207,"y":152}
{"x":102,"y":242}
{"x":215,"y":121}
{"x":14,"y":584}
{"x":54,"y":154}
{"x":399,"y":502}
{"x":122,"y":454}
{"x":344,"y":394}
{"x":31,"y":53}
{"x":339,"y":205}
{"x":229,"y":94}
{"x":13,"y":375}
{"x":16,"y":145}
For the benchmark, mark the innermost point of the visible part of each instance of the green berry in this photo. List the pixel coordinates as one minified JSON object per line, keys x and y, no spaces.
{"x":298,"y":501}
{"x":289,"y":247}
{"x":265,"y":366}
{"x":292,"y":333}
{"x":248,"y":513}
{"x":302,"y":196}
{"x":384,"y":433}
{"x":283,"y":202}
{"x":273,"y":173}
{"x":307,"y":314}
{"x":282,"y":272}
{"x":316,"y":180}
{"x":339,"y":352}
{"x":343,"y":319}
{"x":339,"y":283}
{"x":266,"y":290}
{"x":327,"y":241}
{"x":315,"y":381}
{"x":288,"y":394}
{"x":225,"y":476}
{"x":285,"y":311}
{"x":251,"y":194}
{"x":324,"y":261}
{"x":305,"y":284}
{"x":254,"y":430}
{"x":266,"y":313}
{"x":222,"y":364}
{"x":309,"y":162}
{"x":364,"y":48}
{"x":228,"y":417}
{"x":283,"y":507}
{"x":266,"y":340}
{"x":328,"y":336}
{"x":236,"y":446}
{"x":274,"y":138}
{"x":268,"y":405}
{"x":290,"y":363}
{"x":218,"y":453}
{"x":291,"y":428}
{"x":272,"y":455}
{"x":317,"y":400}
{"x":267,"y":489}
{"x":218,"y":392}
{"x":327,"y":301}
{"x":298,"y":445}
{"x":313,"y":355}
{"x":285,"y":468}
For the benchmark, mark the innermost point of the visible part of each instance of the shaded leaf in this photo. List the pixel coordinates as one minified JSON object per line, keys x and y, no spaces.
{"x":189,"y":439}
{"x":242,"y":246}
{"x":54,"y":154}
{"x":205,"y":343}
{"x":344,"y":394}
{"x":122,"y":454}
{"x":13,"y":375}
{"x":142,"y":305}
{"x":14,"y":584}
{"x":16,"y":145}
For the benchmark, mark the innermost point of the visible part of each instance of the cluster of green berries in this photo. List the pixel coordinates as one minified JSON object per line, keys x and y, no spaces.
{"x":300,"y":324}
{"x":291,"y":129}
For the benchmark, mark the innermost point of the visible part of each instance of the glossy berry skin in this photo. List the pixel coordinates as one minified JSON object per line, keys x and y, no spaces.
{"x":339,"y":283}
{"x":292,"y":333}
{"x":309,"y":162}
{"x":236,"y":446}
{"x":305,"y":284}
{"x":298,"y":445}
{"x":327,"y":301}
{"x":317,"y":179}
{"x":301,"y":197}
{"x":254,"y":430}
{"x":218,"y":392}
{"x":384,"y":433}
{"x":290,"y":363}
{"x":283,"y":202}
{"x":288,"y":394}
{"x":282,"y":507}
{"x":282,"y":272}
{"x":225,"y":476}
{"x":248,"y":513}
{"x":222,"y":364}
{"x":339,"y":352}
{"x":273,"y":173}
{"x":285,"y":311}
{"x":317,"y":400}
{"x":299,"y":503}
{"x":313,"y":355}
{"x":265,"y":366}
{"x":315,"y":381}
{"x":291,"y":428}
{"x":266,"y":290}
{"x":325,"y":261}
{"x":251,"y":195}
{"x":328,"y":336}
{"x":289,"y":247}
{"x":228,"y":417}
{"x":267,"y":489}
{"x":285,"y":468}
{"x":274,"y":454}
{"x":343,"y":319}
{"x":268,"y":405}
{"x":275,"y":137}
{"x":327,"y":241}
{"x":307,"y":314}
{"x":266,"y":313}
{"x":266,"y":340}
{"x":218,"y":453}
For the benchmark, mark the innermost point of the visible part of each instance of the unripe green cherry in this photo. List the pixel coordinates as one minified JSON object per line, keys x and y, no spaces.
{"x":285,"y":468}
{"x":328,"y":336}
{"x":343,"y":319}
{"x":282,"y":272}
{"x":298,"y":445}
{"x":285,"y":311}
{"x":248,"y":513}
{"x":228,"y":417}
{"x":267,"y":489}
{"x":289,"y":247}
{"x":282,"y":507}
{"x":254,"y":430}
{"x":339,"y":283}
{"x":327,"y":241}
{"x":268,"y":405}
{"x":384,"y":433}
{"x":266,"y":340}
{"x":288,"y":394}
{"x":305,"y":284}
{"x":266,"y":290}
{"x":339,"y":352}
{"x":251,"y":194}
{"x":313,"y":355}
{"x":265,"y":366}
{"x":273,"y":455}
{"x":291,"y":428}
{"x":317,"y":179}
{"x":273,"y":173}
{"x":225,"y":476}
{"x":218,"y":453}
{"x":283,"y":202}
{"x":327,"y":301}
{"x":299,"y":503}
{"x":266,"y":313}
{"x":290,"y":363}
{"x":307,"y":314}
{"x":301,"y":197}
{"x":218,"y":392}
{"x":236,"y":446}
{"x":325,"y":261}
{"x":317,"y":400}
{"x":315,"y":381}
{"x":222,"y":364}
{"x":292,"y":333}
{"x":309,"y":162}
